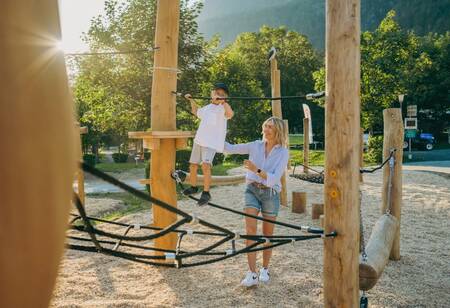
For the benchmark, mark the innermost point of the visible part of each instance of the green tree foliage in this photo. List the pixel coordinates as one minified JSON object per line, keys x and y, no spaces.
{"x":245,"y":67}
{"x":113,"y":91}
{"x":395,"y":61}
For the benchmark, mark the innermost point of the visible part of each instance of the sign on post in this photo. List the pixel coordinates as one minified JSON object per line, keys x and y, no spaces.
{"x":411,"y":111}
{"x":410,"y":123}
{"x":410,"y":133}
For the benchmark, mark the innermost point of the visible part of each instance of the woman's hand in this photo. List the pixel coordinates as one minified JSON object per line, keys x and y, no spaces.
{"x":249,"y":165}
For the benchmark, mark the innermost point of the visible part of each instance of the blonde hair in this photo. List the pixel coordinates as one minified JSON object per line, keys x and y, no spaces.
{"x":279,"y":128}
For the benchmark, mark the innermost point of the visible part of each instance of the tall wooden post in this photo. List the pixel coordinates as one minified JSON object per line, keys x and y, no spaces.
{"x":342,"y":127}
{"x":393,"y":139}
{"x":276,"y":112}
{"x":361,"y":155}
{"x":163,"y":115}
{"x":38,"y":155}
{"x":305,"y":145}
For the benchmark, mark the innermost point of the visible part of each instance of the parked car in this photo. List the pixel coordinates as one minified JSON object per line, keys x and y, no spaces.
{"x":423,"y":141}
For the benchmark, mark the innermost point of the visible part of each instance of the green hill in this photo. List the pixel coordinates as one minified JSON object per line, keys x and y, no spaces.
{"x":231,"y":17}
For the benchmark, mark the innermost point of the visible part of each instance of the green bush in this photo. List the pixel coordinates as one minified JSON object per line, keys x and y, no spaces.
{"x":375,"y":153}
{"x":235,"y":158}
{"x":182,"y":159}
{"x":147,"y":174}
{"x":120,"y":157}
{"x":218,"y":159}
{"x":147,"y":155}
{"x":90,"y":159}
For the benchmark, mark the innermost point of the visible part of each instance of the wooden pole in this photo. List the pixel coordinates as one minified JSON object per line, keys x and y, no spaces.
{"x":305,"y":145}
{"x":393,"y":139}
{"x":163,"y":115}
{"x":39,"y":152}
{"x":286,"y":123}
{"x":298,"y":202}
{"x":361,"y":155}
{"x":276,"y":112}
{"x":342,"y":124}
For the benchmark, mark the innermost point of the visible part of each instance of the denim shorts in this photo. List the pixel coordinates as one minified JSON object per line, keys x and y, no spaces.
{"x":267,"y":201}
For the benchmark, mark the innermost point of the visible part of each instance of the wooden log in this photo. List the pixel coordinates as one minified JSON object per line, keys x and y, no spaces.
{"x":316,"y":210}
{"x":275,"y":78}
{"x":286,"y":123}
{"x":39,"y":152}
{"x":393,"y":139}
{"x":322,"y":220}
{"x":305,"y":145}
{"x":342,"y":123}
{"x":163,"y":116}
{"x":378,"y":249}
{"x":220,"y":180}
{"x":298,"y":202}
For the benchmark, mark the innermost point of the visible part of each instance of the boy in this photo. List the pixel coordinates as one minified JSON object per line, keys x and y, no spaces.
{"x":209,"y":139}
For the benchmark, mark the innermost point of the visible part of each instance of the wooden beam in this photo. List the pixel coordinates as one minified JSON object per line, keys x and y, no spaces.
{"x":34,"y":94}
{"x":393,"y":139}
{"x":305,"y":145}
{"x":161,"y":134}
{"x":163,"y":116}
{"x":275,"y":77}
{"x":220,"y":180}
{"x":377,"y":249}
{"x":342,"y":123}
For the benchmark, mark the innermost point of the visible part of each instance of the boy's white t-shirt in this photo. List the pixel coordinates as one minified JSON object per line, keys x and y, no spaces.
{"x":213,"y":127}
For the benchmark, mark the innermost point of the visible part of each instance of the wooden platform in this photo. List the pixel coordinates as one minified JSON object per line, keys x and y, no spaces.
{"x":151,"y":139}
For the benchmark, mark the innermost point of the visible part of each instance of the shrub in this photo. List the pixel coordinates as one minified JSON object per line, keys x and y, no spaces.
{"x":235,"y":158}
{"x":375,"y":153}
{"x":182,"y":159}
{"x":90,"y":159}
{"x":218,"y":159}
{"x":120,"y":157}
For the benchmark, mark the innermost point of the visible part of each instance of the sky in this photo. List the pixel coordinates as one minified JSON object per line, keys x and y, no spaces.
{"x":75,"y":18}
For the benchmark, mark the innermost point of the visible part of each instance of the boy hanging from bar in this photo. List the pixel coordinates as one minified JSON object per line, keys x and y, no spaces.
{"x":209,"y":139}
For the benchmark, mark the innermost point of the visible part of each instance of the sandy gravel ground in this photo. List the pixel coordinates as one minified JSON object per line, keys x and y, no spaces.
{"x":420,"y":279}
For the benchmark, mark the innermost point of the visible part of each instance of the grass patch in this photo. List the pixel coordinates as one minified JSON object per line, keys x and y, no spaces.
{"x":119,"y":167}
{"x":295,"y":139}
{"x":316,"y":157}
{"x":132,"y":204}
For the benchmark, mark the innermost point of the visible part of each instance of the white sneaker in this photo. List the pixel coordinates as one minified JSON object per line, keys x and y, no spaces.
{"x":264,"y":275}
{"x":251,"y":279}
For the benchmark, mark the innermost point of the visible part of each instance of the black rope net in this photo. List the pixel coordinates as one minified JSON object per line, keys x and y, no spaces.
{"x":133,"y":247}
{"x":318,"y":177}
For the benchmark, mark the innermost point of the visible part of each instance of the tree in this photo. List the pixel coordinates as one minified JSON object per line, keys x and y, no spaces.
{"x":113,"y":91}
{"x":245,"y":67}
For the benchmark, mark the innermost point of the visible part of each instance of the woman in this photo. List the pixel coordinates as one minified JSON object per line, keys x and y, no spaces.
{"x":266,"y":164}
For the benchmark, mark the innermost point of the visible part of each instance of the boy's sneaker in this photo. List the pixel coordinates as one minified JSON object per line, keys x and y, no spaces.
{"x":190,"y":191}
{"x":264,"y":275}
{"x":204,"y":198}
{"x":251,"y":279}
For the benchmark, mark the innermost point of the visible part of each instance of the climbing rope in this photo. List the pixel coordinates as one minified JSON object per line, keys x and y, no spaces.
{"x":319,"y":177}
{"x":178,"y":257}
{"x":309,"y":96}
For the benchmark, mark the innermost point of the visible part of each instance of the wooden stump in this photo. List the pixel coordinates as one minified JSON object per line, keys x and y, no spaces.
{"x":298,"y":202}
{"x":317,"y":210}
{"x":321,"y":219}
